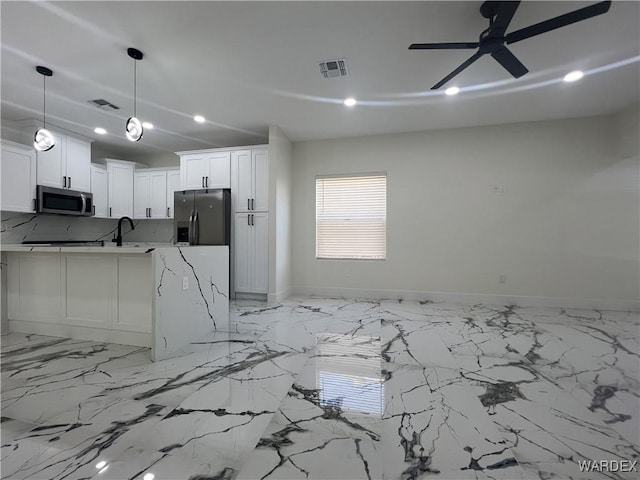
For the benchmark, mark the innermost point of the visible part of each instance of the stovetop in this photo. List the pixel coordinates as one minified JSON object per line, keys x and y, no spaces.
{"x":76,"y":243}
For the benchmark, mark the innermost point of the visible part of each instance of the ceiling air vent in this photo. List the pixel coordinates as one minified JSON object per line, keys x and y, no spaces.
{"x":333,"y":68}
{"x":101,"y":102}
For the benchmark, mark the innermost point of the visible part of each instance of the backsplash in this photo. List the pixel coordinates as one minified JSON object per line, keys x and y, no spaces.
{"x":19,"y":227}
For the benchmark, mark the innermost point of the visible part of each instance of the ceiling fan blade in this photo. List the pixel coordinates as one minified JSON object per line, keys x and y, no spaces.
{"x":503,"y":18}
{"x":443,"y":46}
{"x":509,"y":61}
{"x":557,"y":22}
{"x":468,"y":62}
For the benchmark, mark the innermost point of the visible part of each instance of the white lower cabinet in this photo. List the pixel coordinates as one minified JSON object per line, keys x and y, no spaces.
{"x":134,"y":294}
{"x":87,"y":290}
{"x":251,"y":252}
{"x":93,"y":296}
{"x":33,"y":287}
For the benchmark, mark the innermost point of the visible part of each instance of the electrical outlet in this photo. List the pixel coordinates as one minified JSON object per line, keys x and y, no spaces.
{"x":502,"y":279}
{"x":185,"y":283}
{"x":499,"y":188}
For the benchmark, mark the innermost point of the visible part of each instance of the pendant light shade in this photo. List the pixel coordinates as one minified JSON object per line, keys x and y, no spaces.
{"x":42,"y":139}
{"x":133,"y":128}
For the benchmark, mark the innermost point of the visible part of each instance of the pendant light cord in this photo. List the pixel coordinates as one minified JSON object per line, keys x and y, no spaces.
{"x":134,"y":87}
{"x":44,"y":103}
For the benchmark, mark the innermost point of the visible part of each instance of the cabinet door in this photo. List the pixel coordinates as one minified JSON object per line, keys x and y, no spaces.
{"x":50,"y":164}
{"x":99,"y":191}
{"x":260,"y":270}
{"x":134,"y":298}
{"x":120,"y":190}
{"x":195,"y":168}
{"x":243,"y":252}
{"x":18,"y":177}
{"x":78,"y":165}
{"x":141,"y":195}
{"x":219,"y":175}
{"x":158,"y":194}
{"x":33,"y":287}
{"x":173,"y":185}
{"x":241,"y":175}
{"x":260,"y":171}
{"x":87,"y":303}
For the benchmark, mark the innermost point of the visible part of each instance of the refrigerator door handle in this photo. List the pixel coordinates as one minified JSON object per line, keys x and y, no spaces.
{"x":196,"y":229}
{"x":191,"y":228}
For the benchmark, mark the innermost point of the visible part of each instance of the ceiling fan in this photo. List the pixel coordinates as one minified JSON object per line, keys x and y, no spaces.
{"x":493,"y":40}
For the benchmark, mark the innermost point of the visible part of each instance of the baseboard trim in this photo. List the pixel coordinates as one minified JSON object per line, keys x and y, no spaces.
{"x":275,"y":298}
{"x":82,"y":333}
{"x":471,"y":298}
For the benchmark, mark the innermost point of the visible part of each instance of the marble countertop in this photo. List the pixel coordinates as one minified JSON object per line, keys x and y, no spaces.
{"x":127,"y":247}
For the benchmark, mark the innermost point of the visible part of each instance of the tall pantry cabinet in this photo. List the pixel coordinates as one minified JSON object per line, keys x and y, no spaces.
{"x":249,"y":193}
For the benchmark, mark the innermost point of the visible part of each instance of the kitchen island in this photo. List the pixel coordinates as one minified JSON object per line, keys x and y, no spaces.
{"x":155,"y":295}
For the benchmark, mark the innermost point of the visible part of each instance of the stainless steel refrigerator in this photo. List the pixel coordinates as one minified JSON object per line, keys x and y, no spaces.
{"x":202,"y":217}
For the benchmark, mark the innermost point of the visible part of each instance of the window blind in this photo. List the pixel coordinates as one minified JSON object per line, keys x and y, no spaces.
{"x":351,"y":217}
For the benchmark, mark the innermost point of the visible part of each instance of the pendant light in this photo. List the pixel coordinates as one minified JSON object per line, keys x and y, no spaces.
{"x":134,"y":128}
{"x":43,"y":140}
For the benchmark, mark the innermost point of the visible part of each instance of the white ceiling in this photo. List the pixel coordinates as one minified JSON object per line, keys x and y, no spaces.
{"x":245,"y":66}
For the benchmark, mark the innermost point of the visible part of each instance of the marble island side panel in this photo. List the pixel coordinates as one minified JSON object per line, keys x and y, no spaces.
{"x":182,"y":316}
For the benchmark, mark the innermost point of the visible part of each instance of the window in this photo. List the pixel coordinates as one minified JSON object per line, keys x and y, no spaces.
{"x":351,"y":217}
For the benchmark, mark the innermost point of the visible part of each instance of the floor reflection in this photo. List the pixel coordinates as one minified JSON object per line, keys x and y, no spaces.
{"x":348,"y":373}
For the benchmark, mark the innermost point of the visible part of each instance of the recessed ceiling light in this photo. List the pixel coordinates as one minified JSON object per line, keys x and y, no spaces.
{"x":199,"y":118}
{"x":573,"y":76}
{"x":148,"y":476}
{"x":452,"y":90}
{"x":148,"y":125}
{"x":350,"y":102}
{"x":100,"y":131}
{"x":101,"y":464}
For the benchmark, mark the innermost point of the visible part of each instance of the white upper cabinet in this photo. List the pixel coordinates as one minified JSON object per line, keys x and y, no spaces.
{"x":99,"y":189}
{"x":51,"y":164}
{"x":250,"y":180}
{"x":78,"y":164}
{"x":18,"y":178}
{"x":260,"y":165}
{"x":205,"y":170}
{"x":120,"y":174}
{"x":66,"y":165}
{"x":153,"y":192}
{"x":141,"y":195}
{"x":150,"y":194}
{"x":173,"y":185}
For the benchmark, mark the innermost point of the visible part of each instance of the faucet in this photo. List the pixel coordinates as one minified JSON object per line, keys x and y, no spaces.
{"x":118,"y":239}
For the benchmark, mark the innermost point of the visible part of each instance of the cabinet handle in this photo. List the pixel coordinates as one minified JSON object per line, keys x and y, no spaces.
{"x":252,"y":204}
{"x":248,"y":220}
{"x":207,"y":181}
{"x":202,"y":182}
{"x":248,"y":204}
{"x":69,"y":182}
{"x":64,"y":182}
{"x":252,"y":220}
{"x":168,"y":214}
{"x":35,"y":205}
{"x":109,"y":211}
{"x":94,"y":209}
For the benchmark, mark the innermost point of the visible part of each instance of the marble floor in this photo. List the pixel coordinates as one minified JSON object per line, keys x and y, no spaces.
{"x":335,"y":389}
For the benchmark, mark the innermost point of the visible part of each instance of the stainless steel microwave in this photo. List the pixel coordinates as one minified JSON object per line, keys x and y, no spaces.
{"x":64,"y":201}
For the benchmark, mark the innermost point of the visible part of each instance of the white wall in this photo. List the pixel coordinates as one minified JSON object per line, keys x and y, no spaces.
{"x":567,"y":226}
{"x":280,"y":192}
